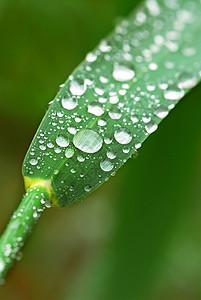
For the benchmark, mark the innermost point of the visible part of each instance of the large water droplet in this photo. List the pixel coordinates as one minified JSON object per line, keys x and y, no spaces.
{"x":77,"y":87}
{"x":95,"y":108}
{"x":123,"y":136}
{"x":173,"y":93}
{"x":186,"y":81}
{"x":123,"y":72}
{"x":161,"y":112}
{"x":69,"y":102}
{"x":62,"y":140}
{"x":151,"y":126}
{"x":115,"y":113}
{"x":106,"y":165}
{"x":88,"y":141}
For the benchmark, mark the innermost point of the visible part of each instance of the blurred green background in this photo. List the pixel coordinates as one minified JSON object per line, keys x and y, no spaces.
{"x":139,"y":235}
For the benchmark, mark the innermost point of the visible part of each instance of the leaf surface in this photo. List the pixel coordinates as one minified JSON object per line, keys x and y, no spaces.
{"x":116,"y":98}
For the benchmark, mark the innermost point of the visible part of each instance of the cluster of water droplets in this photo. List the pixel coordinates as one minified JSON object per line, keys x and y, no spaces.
{"x":117,"y":98}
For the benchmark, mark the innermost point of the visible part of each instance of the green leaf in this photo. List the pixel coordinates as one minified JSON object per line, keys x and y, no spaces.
{"x":115,"y":99}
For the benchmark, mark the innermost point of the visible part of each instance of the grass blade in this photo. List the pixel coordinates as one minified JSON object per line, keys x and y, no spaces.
{"x":115,"y":99}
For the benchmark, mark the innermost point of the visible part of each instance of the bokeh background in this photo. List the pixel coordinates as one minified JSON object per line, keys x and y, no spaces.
{"x":138,"y":236}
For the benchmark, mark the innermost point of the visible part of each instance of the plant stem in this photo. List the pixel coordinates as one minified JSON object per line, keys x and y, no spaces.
{"x":20,"y":226}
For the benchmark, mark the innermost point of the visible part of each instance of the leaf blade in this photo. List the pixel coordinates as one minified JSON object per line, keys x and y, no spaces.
{"x":116,"y":98}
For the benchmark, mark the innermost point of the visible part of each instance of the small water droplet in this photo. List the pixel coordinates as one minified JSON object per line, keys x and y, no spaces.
{"x":88,"y":140}
{"x":69,"y":152}
{"x":62,"y":140}
{"x":77,"y":87}
{"x":95,"y":108}
{"x":151,"y":126}
{"x":72,"y":130}
{"x":50,"y":145}
{"x":186,"y":81}
{"x":161,"y":112}
{"x":106,"y":165}
{"x":126,"y":150}
{"x":115,"y":113}
{"x":123,"y":72}
{"x":80,"y":158}
{"x":69,"y":102}
{"x":87,"y":188}
{"x":33,"y":161}
{"x":173,"y":93}
{"x":102,"y":122}
{"x":123,"y":136}
{"x":91,"y":57}
{"x":105,"y":46}
{"x":111,"y":154}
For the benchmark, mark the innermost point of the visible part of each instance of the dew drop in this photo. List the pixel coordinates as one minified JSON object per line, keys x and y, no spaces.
{"x":91,"y":57}
{"x":69,"y":152}
{"x":111,"y":154}
{"x":151,"y":126}
{"x":106,"y":165}
{"x":62,"y":140}
{"x":123,"y":136}
{"x":72,"y":130}
{"x":88,"y":140}
{"x":161,"y":112}
{"x":69,"y":102}
{"x":186,"y":81}
{"x":102,"y":122}
{"x":173,"y":93}
{"x":33,"y":161}
{"x":126,"y":150}
{"x":87,"y":188}
{"x":95,"y":108}
{"x":123,"y":72}
{"x":115,"y":113}
{"x":77,"y":87}
{"x":105,"y":46}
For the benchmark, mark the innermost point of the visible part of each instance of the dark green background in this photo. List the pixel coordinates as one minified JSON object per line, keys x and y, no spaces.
{"x":139,"y":235}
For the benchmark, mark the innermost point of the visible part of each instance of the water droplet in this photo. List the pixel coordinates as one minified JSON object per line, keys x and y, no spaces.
{"x":173,"y":93}
{"x":123,"y":72}
{"x":95,"y":108}
{"x":42,"y":147}
{"x":102,"y":122}
{"x":151,"y":126}
{"x":88,"y":141}
{"x":77,"y":87}
{"x":115,"y":113}
{"x":91,"y":57}
{"x":186,"y":81}
{"x":161,"y":112}
{"x":50,"y":145}
{"x":126,"y":150}
{"x":105,"y":46}
{"x":111,"y":154}
{"x":123,"y":136}
{"x":69,"y":102}
{"x":108,"y":140}
{"x":33,"y":161}
{"x":87,"y":188}
{"x":62,"y":140}
{"x":72,"y":130}
{"x":69,"y":152}
{"x":80,"y":158}
{"x":106,"y":165}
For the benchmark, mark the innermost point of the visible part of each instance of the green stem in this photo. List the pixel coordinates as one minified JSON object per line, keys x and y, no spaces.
{"x":20,"y":226}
